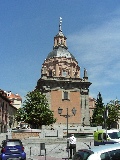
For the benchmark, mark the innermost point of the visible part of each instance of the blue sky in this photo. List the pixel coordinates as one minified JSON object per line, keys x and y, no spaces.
{"x":92,"y":28}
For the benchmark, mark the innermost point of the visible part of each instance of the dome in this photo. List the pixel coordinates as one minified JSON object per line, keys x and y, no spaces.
{"x":60,"y":52}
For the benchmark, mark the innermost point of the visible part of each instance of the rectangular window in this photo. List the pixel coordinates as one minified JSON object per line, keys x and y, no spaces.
{"x":65,"y":95}
{"x":100,"y":136}
{"x":14,"y":143}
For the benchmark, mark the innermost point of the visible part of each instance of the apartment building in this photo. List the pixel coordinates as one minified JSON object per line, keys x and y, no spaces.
{"x":15,"y":99}
{"x":7,"y":113}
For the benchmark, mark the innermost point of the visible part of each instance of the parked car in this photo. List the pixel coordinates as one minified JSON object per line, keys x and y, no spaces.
{"x":103,"y":136}
{"x":12,"y":148}
{"x":104,"y":152}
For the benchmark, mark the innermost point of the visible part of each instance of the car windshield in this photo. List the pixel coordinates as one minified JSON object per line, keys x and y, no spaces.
{"x":81,"y":155}
{"x":114,"y":135}
{"x":15,"y":143}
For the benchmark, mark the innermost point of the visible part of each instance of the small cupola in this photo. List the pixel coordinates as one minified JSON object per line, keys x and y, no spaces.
{"x":60,"y":39}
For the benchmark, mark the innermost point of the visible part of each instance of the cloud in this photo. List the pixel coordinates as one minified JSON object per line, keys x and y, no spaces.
{"x":98,"y":50}
{"x":99,"y":42}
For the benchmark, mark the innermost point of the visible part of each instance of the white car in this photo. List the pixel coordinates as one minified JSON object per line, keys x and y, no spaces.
{"x":104,"y":152}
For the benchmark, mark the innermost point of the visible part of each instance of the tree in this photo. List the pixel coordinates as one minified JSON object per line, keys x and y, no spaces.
{"x":106,"y":116}
{"x":113,"y":115}
{"x":97,"y":118}
{"x":35,"y":110}
{"x":20,"y":114}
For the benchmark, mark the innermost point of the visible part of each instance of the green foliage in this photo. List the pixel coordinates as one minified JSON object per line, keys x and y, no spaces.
{"x":35,"y":110}
{"x":99,"y":102}
{"x":113,"y":115}
{"x":97,"y":118}
{"x":20,"y":114}
{"x":99,"y":114}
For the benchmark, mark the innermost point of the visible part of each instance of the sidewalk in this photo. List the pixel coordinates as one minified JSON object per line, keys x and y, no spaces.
{"x":54,"y":151}
{"x":43,"y":158}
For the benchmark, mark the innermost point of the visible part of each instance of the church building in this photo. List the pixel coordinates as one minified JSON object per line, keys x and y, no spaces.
{"x":61,"y":82}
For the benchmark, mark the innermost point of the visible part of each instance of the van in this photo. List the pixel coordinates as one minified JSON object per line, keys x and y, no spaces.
{"x":104,"y":152}
{"x":106,"y":137}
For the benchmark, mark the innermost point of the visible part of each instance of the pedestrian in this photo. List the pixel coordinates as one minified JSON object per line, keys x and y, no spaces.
{"x":72,"y":142}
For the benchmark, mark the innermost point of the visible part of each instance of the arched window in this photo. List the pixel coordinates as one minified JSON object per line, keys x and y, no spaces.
{"x":64,"y":73}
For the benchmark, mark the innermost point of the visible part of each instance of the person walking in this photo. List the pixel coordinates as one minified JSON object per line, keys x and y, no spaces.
{"x":72,"y":142}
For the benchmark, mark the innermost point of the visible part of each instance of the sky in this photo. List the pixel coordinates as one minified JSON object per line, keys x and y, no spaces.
{"x":92,"y":28}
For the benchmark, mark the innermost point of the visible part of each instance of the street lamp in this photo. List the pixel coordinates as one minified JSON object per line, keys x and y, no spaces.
{"x":106,"y":113}
{"x":105,"y":118}
{"x":60,"y":110}
{"x":67,"y":115}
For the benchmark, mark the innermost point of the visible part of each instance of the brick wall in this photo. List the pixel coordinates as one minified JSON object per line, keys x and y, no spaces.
{"x":24,"y":135}
{"x":74,"y":101}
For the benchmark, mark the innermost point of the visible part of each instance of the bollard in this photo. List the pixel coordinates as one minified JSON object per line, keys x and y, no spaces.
{"x":67,"y":143}
{"x":42,"y":147}
{"x":90,"y":143}
{"x":67,"y":149}
{"x":30,"y":151}
{"x":6,"y":137}
{"x":45,"y":154}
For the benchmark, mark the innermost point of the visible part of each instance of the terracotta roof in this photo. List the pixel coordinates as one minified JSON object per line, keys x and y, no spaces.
{"x":14,"y":96}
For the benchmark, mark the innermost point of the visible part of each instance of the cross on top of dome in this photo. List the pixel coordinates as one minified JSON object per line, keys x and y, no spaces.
{"x":60,"y":25}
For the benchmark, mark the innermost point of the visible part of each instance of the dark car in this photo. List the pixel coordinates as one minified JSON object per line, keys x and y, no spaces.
{"x":104,"y":152}
{"x":12,"y":149}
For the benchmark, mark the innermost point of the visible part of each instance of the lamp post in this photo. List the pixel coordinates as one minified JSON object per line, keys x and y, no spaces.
{"x":105,"y":118}
{"x":66,"y":115}
{"x":106,"y":114}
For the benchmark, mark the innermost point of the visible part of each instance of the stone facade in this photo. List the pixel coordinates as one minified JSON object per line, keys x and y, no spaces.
{"x":61,"y":82}
{"x":92,"y":102}
{"x":7,"y":112}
